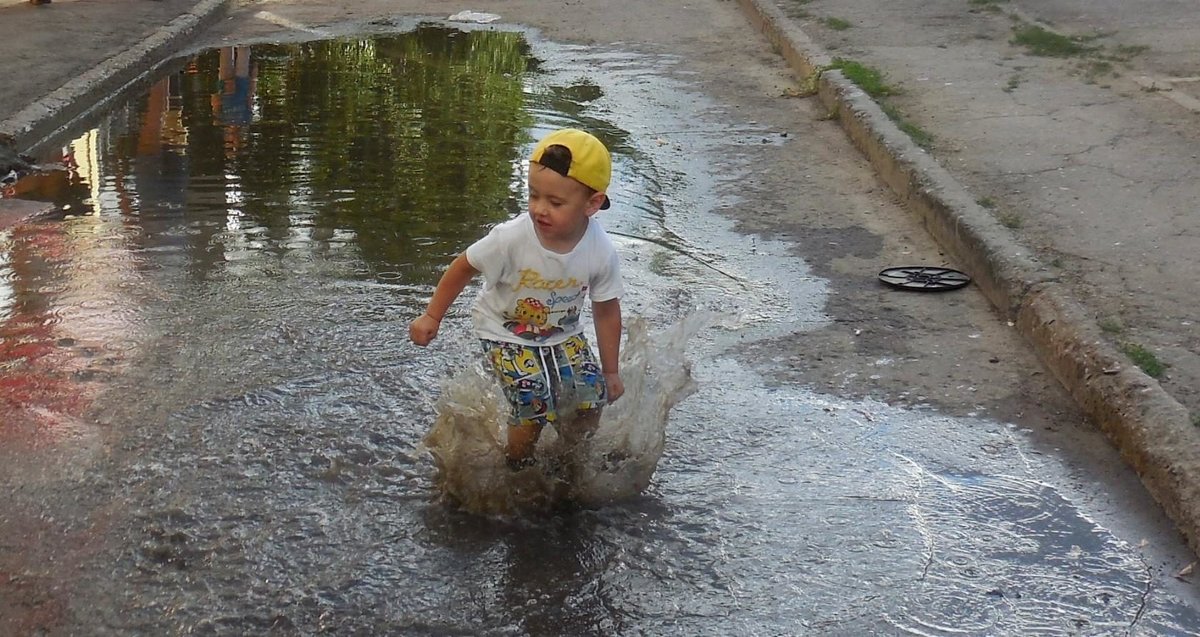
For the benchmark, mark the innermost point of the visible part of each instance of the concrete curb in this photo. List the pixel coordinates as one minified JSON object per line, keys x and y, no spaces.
{"x":1150,"y":428}
{"x":35,"y":124}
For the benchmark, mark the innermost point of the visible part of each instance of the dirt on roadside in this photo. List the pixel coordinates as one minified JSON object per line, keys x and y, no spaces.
{"x":47,"y":45}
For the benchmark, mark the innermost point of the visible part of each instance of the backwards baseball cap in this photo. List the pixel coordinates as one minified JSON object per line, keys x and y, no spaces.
{"x":590,"y":165}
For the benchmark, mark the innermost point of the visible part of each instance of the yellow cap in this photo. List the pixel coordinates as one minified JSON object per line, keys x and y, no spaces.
{"x":591,"y":165}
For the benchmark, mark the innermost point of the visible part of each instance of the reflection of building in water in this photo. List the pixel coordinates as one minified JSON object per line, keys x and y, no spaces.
{"x":161,"y":125}
{"x":65,"y":323}
{"x":65,"y":315}
{"x":233,"y":106}
{"x":68,"y":288}
{"x":67,"y":318}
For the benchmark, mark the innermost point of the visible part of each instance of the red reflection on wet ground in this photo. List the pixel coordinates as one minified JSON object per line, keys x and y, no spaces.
{"x":52,"y":355}
{"x":45,"y":385}
{"x":53,"y":361}
{"x":42,"y":400}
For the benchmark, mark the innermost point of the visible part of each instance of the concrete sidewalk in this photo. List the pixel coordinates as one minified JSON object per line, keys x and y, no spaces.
{"x":1054,"y":177}
{"x":75,"y":56}
{"x":70,"y":56}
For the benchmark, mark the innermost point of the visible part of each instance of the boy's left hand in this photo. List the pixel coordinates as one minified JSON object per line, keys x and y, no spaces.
{"x":616,"y":387}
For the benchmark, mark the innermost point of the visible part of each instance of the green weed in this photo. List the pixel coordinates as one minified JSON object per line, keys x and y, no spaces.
{"x":1126,"y":52}
{"x":1098,"y":60}
{"x":837,"y":24}
{"x":986,"y":202}
{"x":1013,"y":82}
{"x":870,"y":80}
{"x":920,"y":136}
{"x":987,"y":5}
{"x":1111,"y":325}
{"x":1145,"y":359}
{"x":1045,"y":43}
{"x":1095,"y":69}
{"x":1010,"y":220}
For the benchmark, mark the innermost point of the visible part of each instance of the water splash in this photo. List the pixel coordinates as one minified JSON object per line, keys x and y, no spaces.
{"x":616,"y":462}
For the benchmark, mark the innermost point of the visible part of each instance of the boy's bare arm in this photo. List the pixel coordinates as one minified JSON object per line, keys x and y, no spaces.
{"x":425,"y":328}
{"x":607,"y":315}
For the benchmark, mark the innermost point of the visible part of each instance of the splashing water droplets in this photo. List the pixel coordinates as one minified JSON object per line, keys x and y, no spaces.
{"x":616,"y":462}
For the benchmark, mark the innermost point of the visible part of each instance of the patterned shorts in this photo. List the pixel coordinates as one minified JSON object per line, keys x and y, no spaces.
{"x":544,"y":384}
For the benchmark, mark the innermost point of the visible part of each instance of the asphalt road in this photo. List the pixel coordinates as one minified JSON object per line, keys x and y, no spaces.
{"x":855,"y":459}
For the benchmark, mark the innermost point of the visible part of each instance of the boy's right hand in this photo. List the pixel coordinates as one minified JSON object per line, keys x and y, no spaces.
{"x":423,"y":329}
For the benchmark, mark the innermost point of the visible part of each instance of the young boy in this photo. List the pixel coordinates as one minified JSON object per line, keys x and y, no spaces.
{"x":538,"y":267}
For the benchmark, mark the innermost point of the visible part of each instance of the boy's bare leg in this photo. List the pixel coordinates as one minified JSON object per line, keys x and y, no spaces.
{"x":522,"y":439}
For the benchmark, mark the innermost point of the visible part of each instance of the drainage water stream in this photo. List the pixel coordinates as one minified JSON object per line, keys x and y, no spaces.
{"x":209,"y":344}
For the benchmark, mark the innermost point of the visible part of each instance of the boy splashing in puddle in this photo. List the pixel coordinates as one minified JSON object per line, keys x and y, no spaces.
{"x":538,"y":268}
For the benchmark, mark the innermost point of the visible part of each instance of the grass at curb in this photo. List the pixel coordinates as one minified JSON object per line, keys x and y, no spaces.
{"x":1145,"y":359}
{"x":1008,"y":219}
{"x":869,"y":79}
{"x":1011,"y":220}
{"x":873,"y":83}
{"x":920,"y":136}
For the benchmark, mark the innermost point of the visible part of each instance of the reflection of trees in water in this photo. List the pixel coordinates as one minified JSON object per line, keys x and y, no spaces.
{"x":368,"y":146}
{"x":399,"y":140}
{"x":396,"y":141}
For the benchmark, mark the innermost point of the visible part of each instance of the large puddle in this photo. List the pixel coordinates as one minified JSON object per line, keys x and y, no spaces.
{"x":213,"y":336}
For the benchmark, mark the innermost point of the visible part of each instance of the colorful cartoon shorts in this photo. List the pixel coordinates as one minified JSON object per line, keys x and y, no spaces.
{"x":545,"y":383}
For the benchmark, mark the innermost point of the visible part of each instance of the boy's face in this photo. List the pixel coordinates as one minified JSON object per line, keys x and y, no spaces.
{"x":558,"y":205}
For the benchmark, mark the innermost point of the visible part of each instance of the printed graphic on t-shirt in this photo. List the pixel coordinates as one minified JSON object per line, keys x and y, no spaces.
{"x":554,"y":310}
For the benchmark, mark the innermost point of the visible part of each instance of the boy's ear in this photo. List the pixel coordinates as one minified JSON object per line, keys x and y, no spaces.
{"x":594,"y":202}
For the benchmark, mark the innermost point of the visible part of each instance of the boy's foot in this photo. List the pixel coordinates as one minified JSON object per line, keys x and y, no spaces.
{"x":517,"y":464}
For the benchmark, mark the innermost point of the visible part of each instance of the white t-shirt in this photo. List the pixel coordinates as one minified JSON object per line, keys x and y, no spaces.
{"x":532,"y":295}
